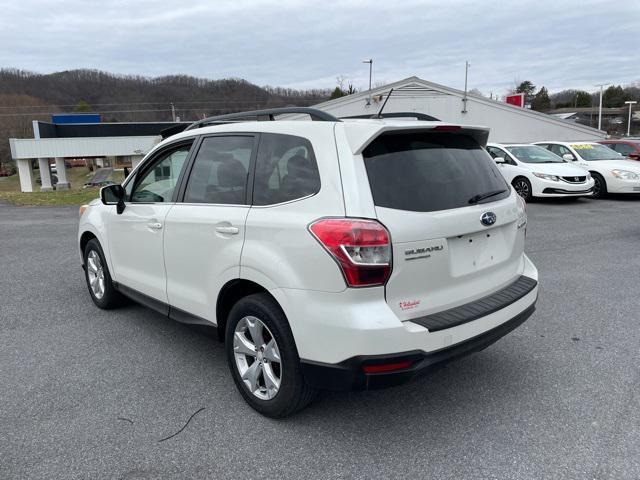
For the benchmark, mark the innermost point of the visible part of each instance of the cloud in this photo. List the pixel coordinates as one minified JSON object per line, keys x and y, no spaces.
{"x":568,"y":44}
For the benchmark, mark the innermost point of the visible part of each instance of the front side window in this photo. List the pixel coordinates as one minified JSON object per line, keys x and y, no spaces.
{"x":157,"y":183}
{"x":427,"y":172}
{"x":220,"y":171}
{"x":286,"y":170}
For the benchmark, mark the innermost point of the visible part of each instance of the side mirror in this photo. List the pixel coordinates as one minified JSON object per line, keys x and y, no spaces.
{"x":499,"y":160}
{"x":113,"y":195}
{"x":567,"y":157}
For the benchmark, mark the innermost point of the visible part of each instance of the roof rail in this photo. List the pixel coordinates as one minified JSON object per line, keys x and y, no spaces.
{"x":267,"y":115}
{"x":416,"y":115}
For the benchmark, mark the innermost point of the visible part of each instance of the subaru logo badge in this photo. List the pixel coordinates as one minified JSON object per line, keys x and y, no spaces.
{"x":488,"y":219}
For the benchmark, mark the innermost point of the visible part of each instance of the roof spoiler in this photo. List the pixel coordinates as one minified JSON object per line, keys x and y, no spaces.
{"x":412,"y":115}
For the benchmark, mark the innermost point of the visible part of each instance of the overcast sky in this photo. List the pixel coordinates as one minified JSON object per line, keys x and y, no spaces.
{"x":559,"y":44}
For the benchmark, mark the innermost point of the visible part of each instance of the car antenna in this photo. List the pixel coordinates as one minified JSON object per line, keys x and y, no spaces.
{"x":379,"y":114}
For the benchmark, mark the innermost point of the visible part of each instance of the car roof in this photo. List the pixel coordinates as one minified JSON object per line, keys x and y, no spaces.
{"x":621,"y":140}
{"x":581,"y":142}
{"x":359,"y":132}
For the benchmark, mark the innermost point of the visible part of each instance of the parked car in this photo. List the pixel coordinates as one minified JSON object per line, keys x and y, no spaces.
{"x":627,"y":148}
{"x":330,"y":254}
{"x":611,"y":172}
{"x":536,"y":172}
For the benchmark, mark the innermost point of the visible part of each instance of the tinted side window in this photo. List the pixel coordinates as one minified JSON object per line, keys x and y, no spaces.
{"x":157,"y":183}
{"x":623,"y":148}
{"x":426,"y":172}
{"x":286,"y":169}
{"x":220,"y":171}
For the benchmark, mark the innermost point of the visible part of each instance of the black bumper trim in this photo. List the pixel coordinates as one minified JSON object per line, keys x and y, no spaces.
{"x":567,"y":192}
{"x":348,"y":375}
{"x":478,"y":308}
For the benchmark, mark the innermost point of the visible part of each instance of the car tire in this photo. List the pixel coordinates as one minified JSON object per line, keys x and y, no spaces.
{"x":522,"y":187}
{"x":265,"y":368}
{"x":98,"y":277}
{"x":599,"y":186}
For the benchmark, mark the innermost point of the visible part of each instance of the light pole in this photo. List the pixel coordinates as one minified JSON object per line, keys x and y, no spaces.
{"x":370,"y":62}
{"x":631,"y":103}
{"x":600,"y":107}
{"x":466,"y":74}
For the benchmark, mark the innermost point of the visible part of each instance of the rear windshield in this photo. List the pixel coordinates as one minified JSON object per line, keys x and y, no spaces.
{"x":426,"y":172}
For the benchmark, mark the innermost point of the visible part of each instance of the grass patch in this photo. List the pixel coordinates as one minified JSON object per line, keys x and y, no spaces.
{"x":77,"y":176}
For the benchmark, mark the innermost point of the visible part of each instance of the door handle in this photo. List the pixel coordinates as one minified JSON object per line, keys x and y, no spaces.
{"x":228,"y":230}
{"x":154,"y":225}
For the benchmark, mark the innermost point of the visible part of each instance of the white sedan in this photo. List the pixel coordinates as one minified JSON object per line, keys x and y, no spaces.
{"x":536,"y":172}
{"x":611,"y":172}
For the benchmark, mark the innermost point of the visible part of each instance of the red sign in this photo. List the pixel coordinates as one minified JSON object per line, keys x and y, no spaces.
{"x":517,"y":99}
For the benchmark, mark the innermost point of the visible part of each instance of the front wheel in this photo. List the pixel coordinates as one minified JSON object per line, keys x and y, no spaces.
{"x":98,"y":277}
{"x":522,"y":187}
{"x":599,"y":186}
{"x":263,"y":358}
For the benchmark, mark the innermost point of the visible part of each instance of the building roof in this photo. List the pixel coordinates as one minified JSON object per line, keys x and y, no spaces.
{"x":433,"y":89}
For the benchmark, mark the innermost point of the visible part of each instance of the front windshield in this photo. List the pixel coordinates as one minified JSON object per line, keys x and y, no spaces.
{"x":534,"y":154}
{"x":594,"y":151}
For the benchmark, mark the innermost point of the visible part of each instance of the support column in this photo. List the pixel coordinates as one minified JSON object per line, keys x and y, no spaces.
{"x":61,"y":172}
{"x":45,"y":175}
{"x":25,"y":172}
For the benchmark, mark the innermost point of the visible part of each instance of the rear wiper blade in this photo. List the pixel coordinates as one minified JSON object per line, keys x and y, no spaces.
{"x":482,"y":196}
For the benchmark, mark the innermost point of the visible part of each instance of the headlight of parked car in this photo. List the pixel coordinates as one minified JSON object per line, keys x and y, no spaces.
{"x":588,"y":176}
{"x":547,"y":177}
{"x":625,"y":174}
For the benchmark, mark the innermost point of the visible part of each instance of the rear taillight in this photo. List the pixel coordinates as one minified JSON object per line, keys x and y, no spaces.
{"x":362,"y":249}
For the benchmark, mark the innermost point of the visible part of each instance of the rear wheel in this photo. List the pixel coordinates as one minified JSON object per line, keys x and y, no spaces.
{"x":263,"y":358}
{"x":98,"y":277}
{"x":522,"y":187}
{"x":599,"y":186}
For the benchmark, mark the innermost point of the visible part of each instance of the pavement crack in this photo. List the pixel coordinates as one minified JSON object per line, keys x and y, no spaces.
{"x":185,"y":425}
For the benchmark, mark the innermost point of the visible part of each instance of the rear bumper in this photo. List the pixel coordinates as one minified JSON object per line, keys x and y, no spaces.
{"x":349,"y":374}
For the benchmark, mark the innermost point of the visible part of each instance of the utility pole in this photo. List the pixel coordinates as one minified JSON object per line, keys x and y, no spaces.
{"x":466,"y":75}
{"x":370,"y":62}
{"x":173,"y":112}
{"x":631,"y":103}
{"x":600,"y":107}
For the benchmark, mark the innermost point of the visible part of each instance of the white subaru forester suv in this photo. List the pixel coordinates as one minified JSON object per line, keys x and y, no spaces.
{"x":330,"y":254}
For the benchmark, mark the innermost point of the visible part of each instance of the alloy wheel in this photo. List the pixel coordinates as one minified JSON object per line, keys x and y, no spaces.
{"x":257,"y":357}
{"x":597,"y":186}
{"x":95,"y":274}
{"x":522,"y":188}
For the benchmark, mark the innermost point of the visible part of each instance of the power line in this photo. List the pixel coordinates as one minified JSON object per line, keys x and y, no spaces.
{"x":200,"y":102}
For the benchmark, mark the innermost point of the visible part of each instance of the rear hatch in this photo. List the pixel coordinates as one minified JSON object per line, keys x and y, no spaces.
{"x":432,"y":191}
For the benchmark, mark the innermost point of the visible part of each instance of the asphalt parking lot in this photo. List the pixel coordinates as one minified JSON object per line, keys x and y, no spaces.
{"x":89,"y":394}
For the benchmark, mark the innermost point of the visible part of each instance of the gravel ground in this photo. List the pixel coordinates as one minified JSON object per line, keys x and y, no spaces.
{"x":90,"y":394}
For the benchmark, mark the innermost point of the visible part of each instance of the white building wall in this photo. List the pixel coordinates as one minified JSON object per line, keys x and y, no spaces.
{"x":507,"y":123}
{"x":79,"y":147}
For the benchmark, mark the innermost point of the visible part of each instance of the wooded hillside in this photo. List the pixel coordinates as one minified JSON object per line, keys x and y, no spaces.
{"x":27,"y":96}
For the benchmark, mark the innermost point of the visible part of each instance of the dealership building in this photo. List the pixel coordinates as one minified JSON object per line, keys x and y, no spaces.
{"x":77,"y":136}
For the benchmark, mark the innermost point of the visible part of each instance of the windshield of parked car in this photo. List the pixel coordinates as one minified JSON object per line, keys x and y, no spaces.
{"x":534,"y":154}
{"x":594,"y":151}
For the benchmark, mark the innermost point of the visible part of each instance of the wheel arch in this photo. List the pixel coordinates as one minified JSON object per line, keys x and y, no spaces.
{"x":230,"y":294}
{"x":85,"y":238}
